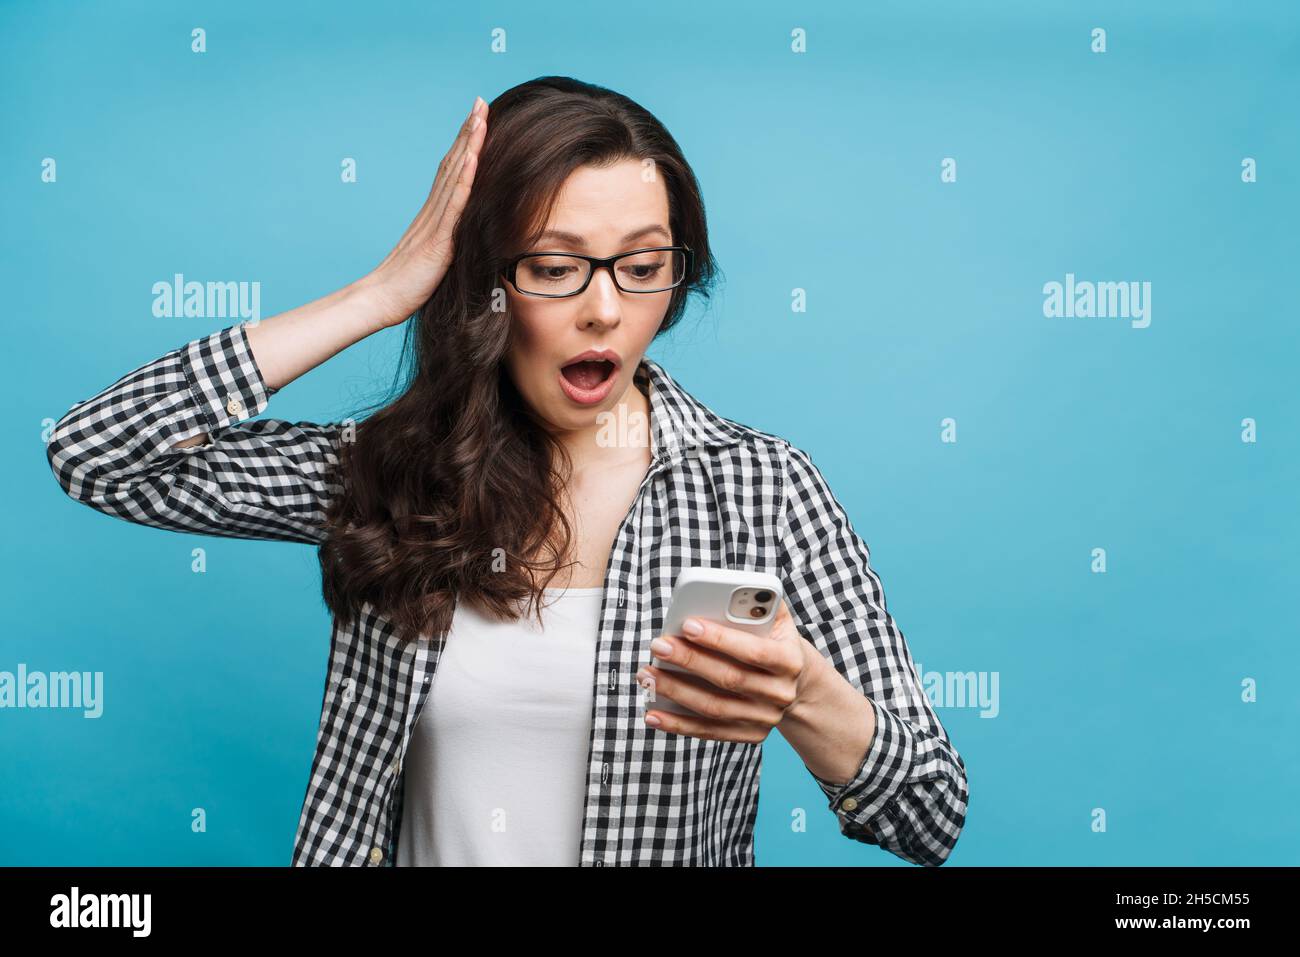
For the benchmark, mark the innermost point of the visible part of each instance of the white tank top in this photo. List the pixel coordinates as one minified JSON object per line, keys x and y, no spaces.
{"x":496,"y":767}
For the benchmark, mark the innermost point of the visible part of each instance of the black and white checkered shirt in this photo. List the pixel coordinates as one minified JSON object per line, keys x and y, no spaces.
{"x":717,"y":494}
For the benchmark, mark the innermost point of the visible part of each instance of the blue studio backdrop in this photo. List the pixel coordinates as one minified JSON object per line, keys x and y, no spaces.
{"x":1014,"y":274}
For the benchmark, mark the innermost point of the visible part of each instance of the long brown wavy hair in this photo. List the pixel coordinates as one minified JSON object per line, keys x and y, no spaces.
{"x":451,"y":491}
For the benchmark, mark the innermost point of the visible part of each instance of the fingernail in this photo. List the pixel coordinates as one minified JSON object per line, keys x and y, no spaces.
{"x":692,"y":627}
{"x":661,"y":647}
{"x":652,"y":720}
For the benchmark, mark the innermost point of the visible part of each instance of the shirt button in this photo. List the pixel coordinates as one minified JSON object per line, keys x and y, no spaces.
{"x":234,"y":406}
{"x":376,"y":855}
{"x":849,"y":804}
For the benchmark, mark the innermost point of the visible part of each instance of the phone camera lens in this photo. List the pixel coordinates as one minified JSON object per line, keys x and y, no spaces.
{"x":758,"y":611}
{"x":763,"y":595}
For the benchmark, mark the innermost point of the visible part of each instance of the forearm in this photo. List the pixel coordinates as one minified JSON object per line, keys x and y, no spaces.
{"x":889,"y":783}
{"x":290,"y":344}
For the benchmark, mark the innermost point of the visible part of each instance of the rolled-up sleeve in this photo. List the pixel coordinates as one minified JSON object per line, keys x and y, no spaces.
{"x":263,"y":479}
{"x":910,"y":792}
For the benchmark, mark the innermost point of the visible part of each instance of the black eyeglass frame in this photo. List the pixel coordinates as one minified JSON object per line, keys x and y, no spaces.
{"x":597,"y":263}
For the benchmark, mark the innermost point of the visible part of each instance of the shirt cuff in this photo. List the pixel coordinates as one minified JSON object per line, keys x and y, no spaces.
{"x":224,"y":377}
{"x":864,"y":803}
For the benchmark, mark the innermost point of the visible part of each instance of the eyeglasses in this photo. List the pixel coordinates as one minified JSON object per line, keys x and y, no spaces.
{"x":557,"y":275}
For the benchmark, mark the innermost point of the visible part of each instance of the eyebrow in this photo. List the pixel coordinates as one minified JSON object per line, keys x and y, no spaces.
{"x":575,"y":240}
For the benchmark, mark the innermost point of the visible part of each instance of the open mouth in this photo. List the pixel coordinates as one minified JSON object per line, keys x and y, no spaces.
{"x":589,"y":374}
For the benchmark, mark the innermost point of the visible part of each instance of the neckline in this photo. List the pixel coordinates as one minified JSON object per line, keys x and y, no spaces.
{"x":594,"y":590}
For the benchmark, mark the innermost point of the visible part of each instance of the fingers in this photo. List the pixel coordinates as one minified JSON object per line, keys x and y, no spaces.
{"x":711,"y":730}
{"x":716,"y":719}
{"x":724,"y":672}
{"x":462,"y":170}
{"x":761,"y":653}
{"x":456,"y":150}
{"x":710,"y":701}
{"x":458,"y":194}
{"x":451,"y":162}
{"x":447,"y":170}
{"x":452,"y":181}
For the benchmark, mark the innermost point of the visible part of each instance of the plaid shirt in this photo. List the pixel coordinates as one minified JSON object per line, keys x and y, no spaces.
{"x":717,"y":493}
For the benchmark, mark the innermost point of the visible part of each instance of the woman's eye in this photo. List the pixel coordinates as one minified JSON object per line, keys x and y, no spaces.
{"x":549,"y":272}
{"x":641,"y":271}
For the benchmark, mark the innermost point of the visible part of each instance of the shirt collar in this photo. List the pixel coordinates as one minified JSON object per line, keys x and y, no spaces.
{"x":680,"y":423}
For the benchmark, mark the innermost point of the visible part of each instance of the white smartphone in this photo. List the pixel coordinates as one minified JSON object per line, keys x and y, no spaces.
{"x":738,"y":599}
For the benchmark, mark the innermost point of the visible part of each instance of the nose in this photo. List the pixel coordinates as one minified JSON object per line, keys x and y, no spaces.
{"x":602,"y":304}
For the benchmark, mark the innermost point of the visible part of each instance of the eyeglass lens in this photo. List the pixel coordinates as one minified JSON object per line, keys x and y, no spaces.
{"x":558,"y":275}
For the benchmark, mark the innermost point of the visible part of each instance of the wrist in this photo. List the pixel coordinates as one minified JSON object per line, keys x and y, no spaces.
{"x":376,"y":302}
{"x":830,"y":725}
{"x":816,"y":687}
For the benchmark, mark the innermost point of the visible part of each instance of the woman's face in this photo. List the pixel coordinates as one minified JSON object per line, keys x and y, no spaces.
{"x":599,"y":212}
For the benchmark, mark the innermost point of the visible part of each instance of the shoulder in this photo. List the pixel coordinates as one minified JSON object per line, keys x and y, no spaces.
{"x":754,"y":451}
{"x":753,"y":443}
{"x":759,"y":452}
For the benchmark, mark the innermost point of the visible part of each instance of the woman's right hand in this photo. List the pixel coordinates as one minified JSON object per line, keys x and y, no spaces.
{"x":408,"y":275}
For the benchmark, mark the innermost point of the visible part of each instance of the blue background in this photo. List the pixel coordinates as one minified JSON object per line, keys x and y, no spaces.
{"x":820,"y":171}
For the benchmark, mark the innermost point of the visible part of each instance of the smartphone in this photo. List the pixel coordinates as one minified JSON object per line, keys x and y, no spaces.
{"x":738,"y":599}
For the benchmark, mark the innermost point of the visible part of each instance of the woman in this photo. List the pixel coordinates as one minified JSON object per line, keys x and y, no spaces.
{"x":513,"y":522}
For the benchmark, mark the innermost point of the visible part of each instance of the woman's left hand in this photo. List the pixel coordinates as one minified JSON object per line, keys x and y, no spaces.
{"x":748,"y":685}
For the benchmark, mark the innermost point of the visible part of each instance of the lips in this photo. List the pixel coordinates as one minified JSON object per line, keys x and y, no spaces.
{"x":588,"y":377}
{"x":588,"y":373}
